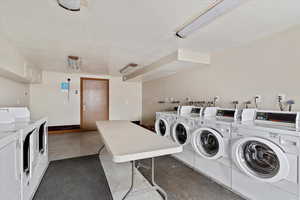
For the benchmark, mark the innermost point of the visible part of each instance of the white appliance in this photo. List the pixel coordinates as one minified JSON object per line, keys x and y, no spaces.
{"x":181,"y":133}
{"x":41,"y":152}
{"x":265,"y":154}
{"x":31,"y":147}
{"x":28,"y":156}
{"x":211,"y":143}
{"x":21,"y":114}
{"x":10,"y":186}
{"x":163,"y":123}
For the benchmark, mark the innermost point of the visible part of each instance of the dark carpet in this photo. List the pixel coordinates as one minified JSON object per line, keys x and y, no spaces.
{"x":80,"y":178}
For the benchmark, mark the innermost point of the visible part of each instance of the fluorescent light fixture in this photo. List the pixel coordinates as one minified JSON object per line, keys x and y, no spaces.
{"x":74,"y":63}
{"x":72,"y":5}
{"x":217,"y":9}
{"x":128,"y":68}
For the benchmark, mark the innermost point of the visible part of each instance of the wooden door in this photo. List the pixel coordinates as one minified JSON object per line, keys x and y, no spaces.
{"x":94,"y":102}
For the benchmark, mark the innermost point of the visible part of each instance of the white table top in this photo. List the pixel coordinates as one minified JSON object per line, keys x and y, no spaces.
{"x":128,"y":142}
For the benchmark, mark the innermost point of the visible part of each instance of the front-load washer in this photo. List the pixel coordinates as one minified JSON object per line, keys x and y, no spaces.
{"x":181,"y":134}
{"x":211,"y":142}
{"x":164,"y":122}
{"x":265,"y":156}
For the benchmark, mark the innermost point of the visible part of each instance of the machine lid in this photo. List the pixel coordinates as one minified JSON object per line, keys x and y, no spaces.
{"x":180,"y":133}
{"x":261,"y":159}
{"x":208,"y":143}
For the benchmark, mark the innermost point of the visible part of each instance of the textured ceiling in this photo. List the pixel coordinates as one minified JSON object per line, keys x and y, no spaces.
{"x":108,"y":34}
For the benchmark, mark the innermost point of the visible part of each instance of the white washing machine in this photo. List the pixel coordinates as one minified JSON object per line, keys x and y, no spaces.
{"x":41,"y":151}
{"x":25,"y":148}
{"x":211,"y":142}
{"x":32,"y":147}
{"x":164,"y":122}
{"x":265,"y":154}
{"x":182,"y":132}
{"x":10,"y":183}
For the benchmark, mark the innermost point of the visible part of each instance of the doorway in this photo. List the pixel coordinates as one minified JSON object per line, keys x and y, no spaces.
{"x":94,"y":104}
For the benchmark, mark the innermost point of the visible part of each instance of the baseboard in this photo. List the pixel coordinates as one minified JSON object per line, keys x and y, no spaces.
{"x":64,"y":129}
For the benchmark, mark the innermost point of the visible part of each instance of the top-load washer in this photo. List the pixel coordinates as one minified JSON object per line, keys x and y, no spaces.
{"x":265,"y":154}
{"x":10,"y":184}
{"x":211,"y":143}
{"x":181,"y":133}
{"x":32,"y":148}
{"x":25,"y":156}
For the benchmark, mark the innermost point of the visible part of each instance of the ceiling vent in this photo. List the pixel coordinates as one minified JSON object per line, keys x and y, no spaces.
{"x":72,"y":5}
{"x":74,"y":63}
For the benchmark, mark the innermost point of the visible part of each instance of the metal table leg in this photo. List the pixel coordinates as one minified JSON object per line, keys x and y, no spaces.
{"x":100,"y":150}
{"x":161,"y":191}
{"x":153,"y":183}
{"x":132,"y":179}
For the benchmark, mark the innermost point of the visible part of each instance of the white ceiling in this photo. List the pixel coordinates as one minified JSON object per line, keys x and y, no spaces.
{"x":109,"y":34}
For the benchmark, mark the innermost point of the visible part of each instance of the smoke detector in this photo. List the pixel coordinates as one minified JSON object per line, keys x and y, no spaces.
{"x":74,"y":63}
{"x":72,"y":5}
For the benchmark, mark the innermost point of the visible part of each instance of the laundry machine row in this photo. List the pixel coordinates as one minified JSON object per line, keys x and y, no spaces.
{"x":254,"y":153}
{"x":265,"y":155}
{"x":31,"y":152}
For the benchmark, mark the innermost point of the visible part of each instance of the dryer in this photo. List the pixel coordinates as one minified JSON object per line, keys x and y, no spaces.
{"x":211,"y":142}
{"x":265,"y":154}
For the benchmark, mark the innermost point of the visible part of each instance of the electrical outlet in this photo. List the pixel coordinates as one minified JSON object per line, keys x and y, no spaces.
{"x":258,"y":98}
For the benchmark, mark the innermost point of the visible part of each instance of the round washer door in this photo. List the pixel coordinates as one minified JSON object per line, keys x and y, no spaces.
{"x":208,"y":143}
{"x":180,"y":133}
{"x":162,"y":127}
{"x":260,"y":159}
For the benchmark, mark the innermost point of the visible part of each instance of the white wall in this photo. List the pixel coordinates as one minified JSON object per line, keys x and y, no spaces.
{"x":12,"y":93}
{"x":125,"y":99}
{"x":266,"y":67}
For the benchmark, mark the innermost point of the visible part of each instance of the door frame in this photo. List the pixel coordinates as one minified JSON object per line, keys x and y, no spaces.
{"x":81,"y":96}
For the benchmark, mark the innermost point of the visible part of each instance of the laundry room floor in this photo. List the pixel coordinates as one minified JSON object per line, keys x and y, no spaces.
{"x":70,"y":145}
{"x":183,"y":183}
{"x":179,"y":181}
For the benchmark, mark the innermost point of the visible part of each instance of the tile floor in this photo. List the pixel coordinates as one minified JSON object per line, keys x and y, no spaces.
{"x":183,"y":183}
{"x":69,"y":145}
{"x":180,"y":181}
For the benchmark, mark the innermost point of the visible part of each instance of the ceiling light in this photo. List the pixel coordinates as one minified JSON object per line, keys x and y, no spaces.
{"x":128,"y":68}
{"x":72,"y":5}
{"x":74,"y":63}
{"x":217,"y":9}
